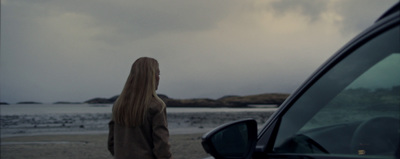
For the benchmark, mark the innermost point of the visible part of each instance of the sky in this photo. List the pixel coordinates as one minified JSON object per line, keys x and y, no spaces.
{"x":76,"y":50}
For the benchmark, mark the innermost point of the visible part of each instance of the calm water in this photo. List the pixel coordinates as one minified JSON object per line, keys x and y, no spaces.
{"x":39,"y":109}
{"x":29,"y":119}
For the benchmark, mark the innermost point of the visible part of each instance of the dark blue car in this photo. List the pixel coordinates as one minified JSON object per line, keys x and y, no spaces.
{"x":349,"y":108}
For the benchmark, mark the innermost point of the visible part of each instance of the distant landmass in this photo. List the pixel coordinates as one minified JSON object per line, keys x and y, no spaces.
{"x":275,"y":99}
{"x":62,"y":102}
{"x":226,"y":101}
{"x":29,"y":102}
{"x":385,"y":96}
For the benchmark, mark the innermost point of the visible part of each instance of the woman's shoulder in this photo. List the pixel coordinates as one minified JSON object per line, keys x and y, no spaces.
{"x":155,"y":106}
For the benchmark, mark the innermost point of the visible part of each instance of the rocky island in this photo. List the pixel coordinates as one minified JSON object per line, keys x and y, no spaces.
{"x":226,"y":101}
{"x":63,"y":102}
{"x":29,"y":102}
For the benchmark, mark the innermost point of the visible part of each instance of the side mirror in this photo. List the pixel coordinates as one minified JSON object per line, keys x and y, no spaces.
{"x":232,"y":140}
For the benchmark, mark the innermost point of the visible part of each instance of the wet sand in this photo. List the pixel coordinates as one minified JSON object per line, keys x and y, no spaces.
{"x":87,"y":146}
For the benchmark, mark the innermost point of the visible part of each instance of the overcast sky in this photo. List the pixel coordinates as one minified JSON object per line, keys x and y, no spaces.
{"x":75,"y":50}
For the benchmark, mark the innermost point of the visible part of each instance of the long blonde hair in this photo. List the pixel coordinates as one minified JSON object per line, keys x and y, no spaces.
{"x":131,"y":106}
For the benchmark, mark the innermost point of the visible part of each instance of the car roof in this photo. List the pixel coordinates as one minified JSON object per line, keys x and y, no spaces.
{"x":392,"y":10}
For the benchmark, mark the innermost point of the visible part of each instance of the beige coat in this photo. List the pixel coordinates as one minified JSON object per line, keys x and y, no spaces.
{"x":149,"y":141}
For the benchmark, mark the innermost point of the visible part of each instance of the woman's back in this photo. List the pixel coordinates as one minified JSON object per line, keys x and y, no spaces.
{"x":148,"y":141}
{"x":138,"y":128}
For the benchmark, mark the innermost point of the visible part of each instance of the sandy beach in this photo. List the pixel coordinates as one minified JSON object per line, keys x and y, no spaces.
{"x":86,"y":146}
{"x":84,"y":135}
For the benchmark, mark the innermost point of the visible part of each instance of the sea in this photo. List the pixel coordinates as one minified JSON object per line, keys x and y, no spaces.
{"x":39,"y":119}
{"x":42,"y":109}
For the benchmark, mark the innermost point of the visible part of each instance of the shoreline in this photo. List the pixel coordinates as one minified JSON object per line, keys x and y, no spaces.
{"x":177,"y":131}
{"x":87,"y":146}
{"x":72,"y":135}
{"x":178,"y":122}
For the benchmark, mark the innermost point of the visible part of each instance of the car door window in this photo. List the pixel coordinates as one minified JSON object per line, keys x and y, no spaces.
{"x":353,"y":109}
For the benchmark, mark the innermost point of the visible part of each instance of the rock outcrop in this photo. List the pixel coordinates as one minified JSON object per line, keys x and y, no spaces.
{"x":226,"y":101}
{"x":100,"y":101}
{"x":29,"y":102}
{"x":62,"y":102}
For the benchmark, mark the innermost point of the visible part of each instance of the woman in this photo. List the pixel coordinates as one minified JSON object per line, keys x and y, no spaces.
{"x":138,"y":128}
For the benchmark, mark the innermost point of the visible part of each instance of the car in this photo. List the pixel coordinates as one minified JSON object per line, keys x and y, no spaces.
{"x":348,"y":108}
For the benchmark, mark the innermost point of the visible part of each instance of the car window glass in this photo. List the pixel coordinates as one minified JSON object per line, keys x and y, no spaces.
{"x":375,"y":93}
{"x":352,"y":109}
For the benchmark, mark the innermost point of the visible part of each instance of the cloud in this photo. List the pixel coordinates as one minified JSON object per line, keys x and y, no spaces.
{"x":75,"y":50}
{"x":354,"y":15}
{"x":309,"y":8}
